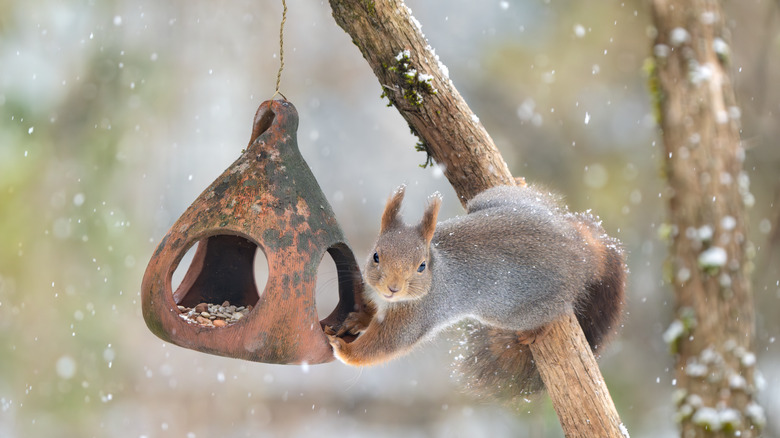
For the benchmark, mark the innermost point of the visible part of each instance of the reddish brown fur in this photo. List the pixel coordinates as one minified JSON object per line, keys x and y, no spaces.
{"x":600,"y":310}
{"x":370,"y":348}
{"x":428,"y":224}
{"x":391,"y":214}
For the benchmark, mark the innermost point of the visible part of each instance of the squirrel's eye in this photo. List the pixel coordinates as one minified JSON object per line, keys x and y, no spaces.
{"x":376,"y":257}
{"x":422,"y":267}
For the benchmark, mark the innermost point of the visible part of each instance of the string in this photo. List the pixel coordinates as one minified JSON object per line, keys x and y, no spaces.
{"x":281,"y":52}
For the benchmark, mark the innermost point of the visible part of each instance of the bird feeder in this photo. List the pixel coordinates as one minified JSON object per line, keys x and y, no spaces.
{"x":267,"y":200}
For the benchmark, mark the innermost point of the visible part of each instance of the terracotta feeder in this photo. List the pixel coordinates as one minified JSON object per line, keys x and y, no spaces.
{"x":269,"y":200}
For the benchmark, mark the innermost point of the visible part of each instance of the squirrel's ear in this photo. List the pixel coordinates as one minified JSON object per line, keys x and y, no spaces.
{"x":428,"y":223}
{"x":392,"y":214}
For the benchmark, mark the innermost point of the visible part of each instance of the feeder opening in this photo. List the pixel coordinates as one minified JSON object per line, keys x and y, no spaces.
{"x":326,"y":297}
{"x":338,"y":268}
{"x":223,"y":278}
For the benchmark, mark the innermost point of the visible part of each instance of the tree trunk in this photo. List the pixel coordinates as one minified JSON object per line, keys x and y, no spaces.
{"x":418,"y":85}
{"x":712,"y":335}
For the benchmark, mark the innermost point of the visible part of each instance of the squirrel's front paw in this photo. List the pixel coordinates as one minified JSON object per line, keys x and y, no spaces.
{"x":339,"y":346}
{"x":355,"y":323}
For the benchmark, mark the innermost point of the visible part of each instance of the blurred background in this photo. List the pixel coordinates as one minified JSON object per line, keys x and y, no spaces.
{"x":116,"y":114}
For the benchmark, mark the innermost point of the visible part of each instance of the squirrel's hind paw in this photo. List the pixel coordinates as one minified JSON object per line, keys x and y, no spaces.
{"x":529,"y":337}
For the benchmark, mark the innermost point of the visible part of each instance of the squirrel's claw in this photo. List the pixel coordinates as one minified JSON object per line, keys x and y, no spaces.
{"x":343,"y":329}
{"x":355,"y":324}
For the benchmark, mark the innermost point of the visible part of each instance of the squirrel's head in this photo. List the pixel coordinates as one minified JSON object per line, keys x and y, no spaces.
{"x":399,"y":268}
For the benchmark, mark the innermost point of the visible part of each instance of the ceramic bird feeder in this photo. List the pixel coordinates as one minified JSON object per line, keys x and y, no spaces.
{"x":267,"y":200}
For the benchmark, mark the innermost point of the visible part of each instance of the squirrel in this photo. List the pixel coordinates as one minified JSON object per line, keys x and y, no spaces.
{"x":514,"y":263}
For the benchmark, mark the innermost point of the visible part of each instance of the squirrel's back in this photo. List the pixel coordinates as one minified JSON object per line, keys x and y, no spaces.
{"x":524,"y":253}
{"x":494,"y":361}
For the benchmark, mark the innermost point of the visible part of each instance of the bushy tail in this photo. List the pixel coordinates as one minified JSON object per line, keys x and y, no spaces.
{"x":492,"y":363}
{"x":600,"y":311}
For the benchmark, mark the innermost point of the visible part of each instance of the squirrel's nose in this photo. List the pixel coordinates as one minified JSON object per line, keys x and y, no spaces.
{"x":393,"y":289}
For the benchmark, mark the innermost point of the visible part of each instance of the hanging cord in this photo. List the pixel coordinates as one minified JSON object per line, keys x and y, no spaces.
{"x":281,"y":52}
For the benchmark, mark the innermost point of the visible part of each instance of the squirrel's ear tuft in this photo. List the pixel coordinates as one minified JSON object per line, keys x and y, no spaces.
{"x":392,"y":214}
{"x":428,"y":223}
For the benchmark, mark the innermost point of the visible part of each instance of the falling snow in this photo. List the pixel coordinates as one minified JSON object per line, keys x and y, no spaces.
{"x":679,"y":36}
{"x":110,"y":112}
{"x":714,"y":257}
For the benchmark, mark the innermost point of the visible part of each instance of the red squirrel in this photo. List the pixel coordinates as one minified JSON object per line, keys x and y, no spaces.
{"x":515,"y":262}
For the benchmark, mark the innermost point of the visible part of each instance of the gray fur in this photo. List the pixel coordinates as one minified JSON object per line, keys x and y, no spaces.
{"x":513,"y":240}
{"x":515,"y":262}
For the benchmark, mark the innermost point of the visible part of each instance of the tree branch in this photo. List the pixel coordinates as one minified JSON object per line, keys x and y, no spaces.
{"x":418,"y":85}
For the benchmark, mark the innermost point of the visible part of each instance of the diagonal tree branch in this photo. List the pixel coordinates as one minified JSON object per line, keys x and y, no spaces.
{"x":413,"y":79}
{"x":419,"y":86}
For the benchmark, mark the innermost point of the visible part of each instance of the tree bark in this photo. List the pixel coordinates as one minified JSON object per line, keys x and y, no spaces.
{"x":574,"y":382}
{"x":413,"y":79}
{"x":712,"y":335}
{"x":436,"y":112}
